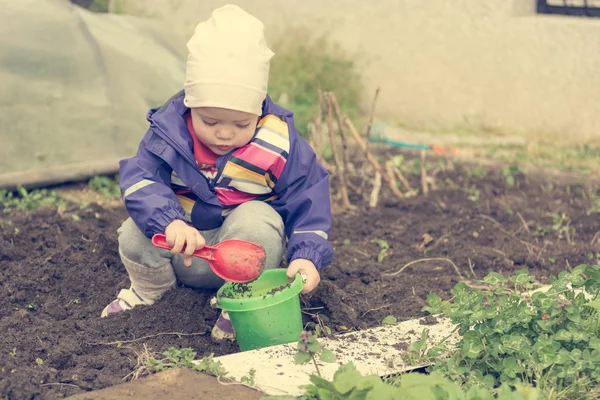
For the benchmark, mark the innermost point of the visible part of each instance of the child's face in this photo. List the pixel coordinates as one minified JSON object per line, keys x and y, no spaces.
{"x":222,"y":129}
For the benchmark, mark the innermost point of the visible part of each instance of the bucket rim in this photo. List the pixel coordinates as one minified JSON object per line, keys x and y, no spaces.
{"x":257,"y":303}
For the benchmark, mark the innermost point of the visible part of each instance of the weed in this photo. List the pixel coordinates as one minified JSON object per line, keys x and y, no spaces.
{"x":321,"y":328}
{"x":13,"y":352}
{"x":561,"y":224}
{"x":384,"y":247}
{"x":106,"y":186}
{"x":73,"y":301}
{"x":472,"y":193}
{"x":595,"y":204}
{"x":547,"y":188}
{"x":30,"y":200}
{"x":149,"y":362}
{"x":509,"y":174}
{"x":477,"y":172}
{"x":39,"y":361}
{"x":389,"y":320}
{"x":250,"y":379}
{"x":309,"y":349}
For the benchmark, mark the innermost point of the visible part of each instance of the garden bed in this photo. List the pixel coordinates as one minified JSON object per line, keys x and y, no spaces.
{"x":59,"y":270}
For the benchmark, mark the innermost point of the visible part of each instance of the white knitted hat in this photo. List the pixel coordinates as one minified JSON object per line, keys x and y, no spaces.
{"x":228,"y":62}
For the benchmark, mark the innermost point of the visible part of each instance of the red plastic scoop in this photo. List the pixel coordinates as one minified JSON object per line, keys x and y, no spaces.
{"x":231,"y":260}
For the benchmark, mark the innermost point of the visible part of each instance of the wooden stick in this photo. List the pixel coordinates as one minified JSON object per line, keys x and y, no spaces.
{"x":424,"y":186}
{"x":371,"y":159}
{"x":402,"y":179}
{"x":422,"y":260}
{"x":368,"y":136}
{"x":336,"y":158}
{"x":390,"y":171}
{"x":319,"y":129}
{"x":432,"y":178}
{"x":371,"y":114}
{"x":338,"y":117}
{"x":374,"y":199}
{"x":499,"y":227}
{"x":523,"y":222}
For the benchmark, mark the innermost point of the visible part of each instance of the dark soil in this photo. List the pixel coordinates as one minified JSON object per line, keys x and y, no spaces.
{"x":58,"y":272}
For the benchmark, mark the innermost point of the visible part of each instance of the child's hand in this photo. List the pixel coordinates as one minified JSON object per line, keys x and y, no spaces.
{"x":178,"y":234}
{"x":307,"y":268}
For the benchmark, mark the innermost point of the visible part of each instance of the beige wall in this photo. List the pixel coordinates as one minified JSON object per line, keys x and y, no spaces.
{"x":444,"y":63}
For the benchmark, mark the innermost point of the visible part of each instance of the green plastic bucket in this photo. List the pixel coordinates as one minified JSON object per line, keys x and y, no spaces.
{"x":264,"y":312}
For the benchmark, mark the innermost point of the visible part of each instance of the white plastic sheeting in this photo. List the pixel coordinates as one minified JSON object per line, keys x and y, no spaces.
{"x":75,"y":87}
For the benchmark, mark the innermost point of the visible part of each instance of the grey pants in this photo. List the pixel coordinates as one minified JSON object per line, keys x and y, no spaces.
{"x":253,"y":221}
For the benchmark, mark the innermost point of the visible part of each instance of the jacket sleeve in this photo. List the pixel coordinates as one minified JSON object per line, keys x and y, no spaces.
{"x":304,"y":204}
{"x":145,"y":181}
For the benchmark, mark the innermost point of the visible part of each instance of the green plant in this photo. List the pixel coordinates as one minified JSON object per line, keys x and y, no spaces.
{"x":549,"y":339}
{"x":509,"y":174}
{"x":183,"y":358}
{"x":561,"y":224}
{"x":106,"y":186}
{"x":321,"y":328}
{"x":350,"y":384}
{"x":250,"y":379}
{"x":39,"y":361}
{"x":383,"y":249}
{"x":595,"y":204}
{"x":309,"y":349}
{"x":304,"y":64}
{"x":29,"y":200}
{"x":477,"y":172}
{"x":389,"y":320}
{"x":472,"y":193}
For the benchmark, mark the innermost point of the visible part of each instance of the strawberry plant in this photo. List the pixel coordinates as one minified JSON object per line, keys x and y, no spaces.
{"x":550,"y":338}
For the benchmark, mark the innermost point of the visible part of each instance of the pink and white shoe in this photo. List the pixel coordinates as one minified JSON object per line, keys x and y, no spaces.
{"x":223,"y":330}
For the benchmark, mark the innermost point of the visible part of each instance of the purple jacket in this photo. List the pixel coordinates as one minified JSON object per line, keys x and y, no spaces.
{"x":301,"y":194}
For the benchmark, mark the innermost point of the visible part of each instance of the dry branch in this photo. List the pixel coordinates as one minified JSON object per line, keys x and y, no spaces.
{"x":371,"y":158}
{"x":319,"y":129}
{"x":402,"y":179}
{"x":336,"y":158}
{"x":368,"y":136}
{"x":338,"y":117}
{"x":371,"y":114}
{"x":374,"y":199}
{"x":424,"y":186}
{"x":523,"y":222}
{"x":120,"y":342}
{"x":390,"y":171}
{"x":499,"y":226}
{"x":423,"y":260}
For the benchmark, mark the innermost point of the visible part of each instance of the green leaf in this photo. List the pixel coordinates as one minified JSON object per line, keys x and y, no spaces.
{"x":345,"y":378}
{"x":563,"y":335}
{"x":494,"y":278}
{"x":314,"y":347}
{"x":321,"y":383}
{"x":327,"y":356}
{"x":595,"y":343}
{"x":388,"y":392}
{"x":595,"y":304}
{"x":302,"y":357}
{"x":389,"y":320}
{"x":472,"y":346}
{"x":318,"y":330}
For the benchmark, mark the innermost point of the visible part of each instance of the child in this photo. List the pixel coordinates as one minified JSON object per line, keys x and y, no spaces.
{"x":221,"y":161}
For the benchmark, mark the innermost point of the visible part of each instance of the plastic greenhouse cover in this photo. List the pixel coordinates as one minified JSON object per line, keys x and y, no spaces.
{"x":75,"y":88}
